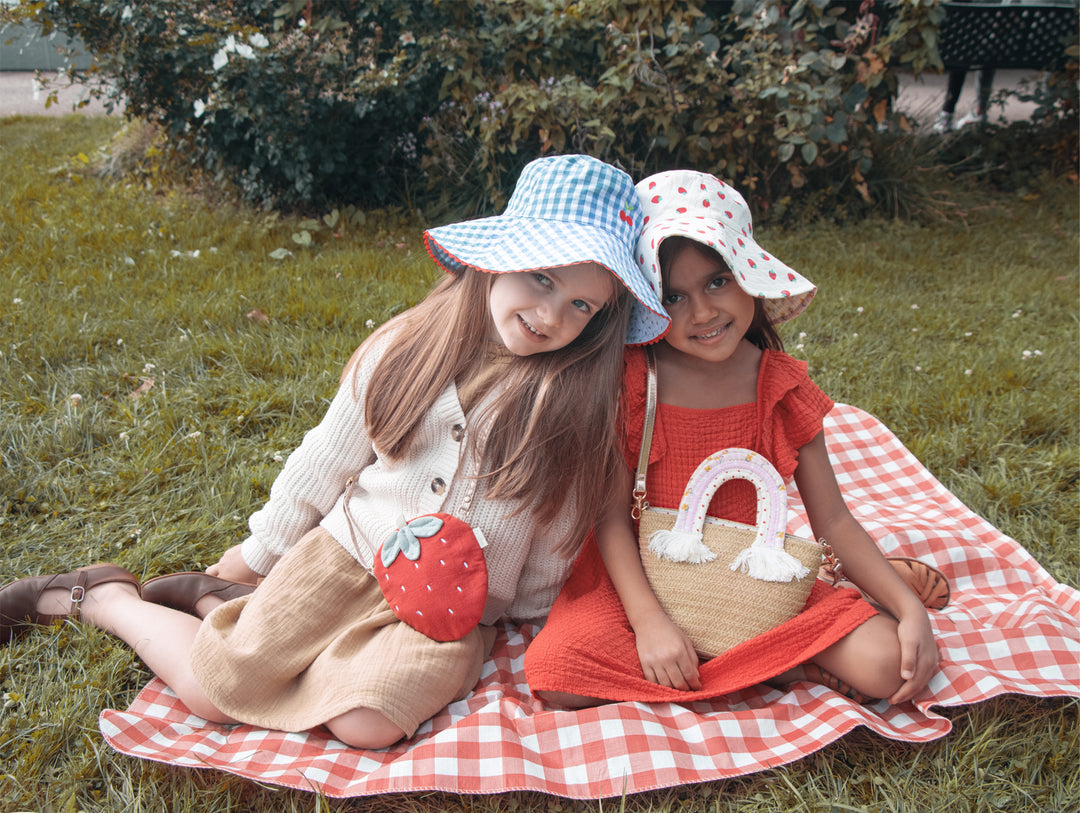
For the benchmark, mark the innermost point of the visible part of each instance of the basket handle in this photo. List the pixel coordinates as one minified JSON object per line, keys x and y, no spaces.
{"x":765,"y":558}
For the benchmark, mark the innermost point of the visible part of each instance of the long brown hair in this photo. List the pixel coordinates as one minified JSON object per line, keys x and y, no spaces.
{"x":550,"y":433}
{"x":761,"y":333}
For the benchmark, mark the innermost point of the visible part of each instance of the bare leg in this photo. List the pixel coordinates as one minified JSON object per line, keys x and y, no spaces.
{"x":162,"y":637}
{"x":570,"y":701}
{"x":867,"y":659}
{"x":365,"y":728}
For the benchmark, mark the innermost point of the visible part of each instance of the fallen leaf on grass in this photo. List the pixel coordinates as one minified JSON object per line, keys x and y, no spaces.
{"x":142,"y":389}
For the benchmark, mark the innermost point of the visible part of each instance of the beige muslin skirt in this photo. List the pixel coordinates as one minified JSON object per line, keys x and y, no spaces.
{"x":317,"y":639}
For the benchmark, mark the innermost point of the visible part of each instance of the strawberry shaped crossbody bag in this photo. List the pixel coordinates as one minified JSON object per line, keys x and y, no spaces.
{"x":432,"y":572}
{"x":434,"y":576}
{"x":722,"y":582}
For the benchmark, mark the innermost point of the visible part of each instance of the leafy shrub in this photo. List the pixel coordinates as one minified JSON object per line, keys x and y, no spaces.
{"x":298,"y":101}
{"x":773,"y":96}
{"x":315,"y":102}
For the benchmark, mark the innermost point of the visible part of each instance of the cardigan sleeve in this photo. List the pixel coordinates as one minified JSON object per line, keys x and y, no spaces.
{"x":315,"y":474}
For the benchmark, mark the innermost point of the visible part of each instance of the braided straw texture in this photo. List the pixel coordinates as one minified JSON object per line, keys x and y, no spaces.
{"x":715,"y":606}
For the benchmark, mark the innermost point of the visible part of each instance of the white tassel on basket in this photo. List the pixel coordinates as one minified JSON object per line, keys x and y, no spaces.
{"x":769,"y":564}
{"x":680,"y":546}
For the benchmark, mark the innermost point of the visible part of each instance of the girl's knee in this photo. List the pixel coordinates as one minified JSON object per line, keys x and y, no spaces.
{"x":365,"y":728}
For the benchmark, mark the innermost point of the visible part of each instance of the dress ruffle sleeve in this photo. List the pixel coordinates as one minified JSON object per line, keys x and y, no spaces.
{"x":792,"y":408}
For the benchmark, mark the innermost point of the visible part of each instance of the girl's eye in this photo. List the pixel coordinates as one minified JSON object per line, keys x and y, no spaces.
{"x":720,"y":282}
{"x":671,"y":299}
{"x":581,"y":305}
{"x":543,"y":279}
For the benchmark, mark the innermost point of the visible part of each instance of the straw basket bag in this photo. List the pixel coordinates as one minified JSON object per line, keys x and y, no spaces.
{"x":723,"y":582}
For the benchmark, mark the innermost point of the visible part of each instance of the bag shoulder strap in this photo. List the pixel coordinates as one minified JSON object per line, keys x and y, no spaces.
{"x":646,"y":436}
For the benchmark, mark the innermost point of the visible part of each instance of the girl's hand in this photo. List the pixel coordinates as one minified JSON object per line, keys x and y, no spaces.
{"x":666,"y":654}
{"x":918,"y":653}
{"x":232,"y":567}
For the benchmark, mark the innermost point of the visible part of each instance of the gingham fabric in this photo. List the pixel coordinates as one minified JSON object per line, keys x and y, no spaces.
{"x":1009,"y":628}
{"x":565,"y":209}
{"x":685,"y":203}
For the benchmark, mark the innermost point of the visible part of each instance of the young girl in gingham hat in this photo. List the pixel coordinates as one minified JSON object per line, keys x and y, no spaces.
{"x":474,"y":432}
{"x":724,"y":381}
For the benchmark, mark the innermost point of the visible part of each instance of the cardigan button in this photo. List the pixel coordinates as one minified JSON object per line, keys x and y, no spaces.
{"x":438,"y":485}
{"x":457,"y":432}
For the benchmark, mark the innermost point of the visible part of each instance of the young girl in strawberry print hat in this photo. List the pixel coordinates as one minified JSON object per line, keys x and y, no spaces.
{"x":449,"y":464}
{"x":723,"y":381}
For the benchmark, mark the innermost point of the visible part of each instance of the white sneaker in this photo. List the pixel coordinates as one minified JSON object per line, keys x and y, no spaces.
{"x":944,"y":122}
{"x":973,"y":117}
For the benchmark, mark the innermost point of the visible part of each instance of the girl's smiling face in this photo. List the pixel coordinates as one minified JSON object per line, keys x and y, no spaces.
{"x":540,"y":311}
{"x":710,"y":313}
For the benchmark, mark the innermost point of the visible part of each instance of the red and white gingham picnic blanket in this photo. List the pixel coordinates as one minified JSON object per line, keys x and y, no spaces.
{"x":1009,"y":628}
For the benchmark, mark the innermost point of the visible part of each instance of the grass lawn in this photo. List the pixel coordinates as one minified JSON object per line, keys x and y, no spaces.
{"x":160,"y":356}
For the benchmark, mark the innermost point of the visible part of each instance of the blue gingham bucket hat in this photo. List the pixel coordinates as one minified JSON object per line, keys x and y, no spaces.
{"x":701,"y":207}
{"x":565,"y":209}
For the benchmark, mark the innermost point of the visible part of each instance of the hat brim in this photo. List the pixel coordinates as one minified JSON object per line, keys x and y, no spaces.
{"x":503,"y":245}
{"x":757,"y":272}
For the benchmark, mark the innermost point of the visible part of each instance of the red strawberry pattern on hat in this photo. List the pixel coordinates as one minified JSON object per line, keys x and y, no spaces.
{"x":434,"y":576}
{"x":684,"y":203}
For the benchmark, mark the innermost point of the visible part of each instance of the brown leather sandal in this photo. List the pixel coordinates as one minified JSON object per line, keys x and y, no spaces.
{"x":182,"y":591}
{"x":925,"y":581}
{"x":19,"y":599}
{"x":818,"y":675}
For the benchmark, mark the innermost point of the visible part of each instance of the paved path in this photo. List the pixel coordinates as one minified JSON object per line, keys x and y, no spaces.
{"x":20,"y":94}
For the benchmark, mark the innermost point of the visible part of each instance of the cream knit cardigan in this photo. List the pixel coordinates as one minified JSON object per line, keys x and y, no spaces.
{"x":525,"y":572}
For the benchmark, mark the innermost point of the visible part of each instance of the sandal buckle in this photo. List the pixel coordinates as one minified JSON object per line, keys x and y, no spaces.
{"x":78,"y":593}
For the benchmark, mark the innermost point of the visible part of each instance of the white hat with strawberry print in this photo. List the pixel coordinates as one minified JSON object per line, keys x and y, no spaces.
{"x":700,"y":207}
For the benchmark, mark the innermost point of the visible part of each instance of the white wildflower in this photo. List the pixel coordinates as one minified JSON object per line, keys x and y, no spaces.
{"x":967,"y":371}
{"x":1017,"y":313}
{"x":200,"y":108}
{"x":221,"y":59}
{"x":918,"y":369}
{"x":119,"y":342}
{"x":75,"y":399}
{"x":407,"y":38}
{"x":127,"y":13}
{"x":859,"y":309}
{"x":149,"y":367}
{"x":370,"y":324}
{"x":16,"y":301}
{"x":277,"y":457}
{"x":128,"y":261}
{"x":193,"y":435}
{"x":914,"y":307}
{"x":258,"y":40}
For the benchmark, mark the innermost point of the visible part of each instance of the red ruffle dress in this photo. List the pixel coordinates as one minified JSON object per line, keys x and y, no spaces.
{"x":587,"y":646}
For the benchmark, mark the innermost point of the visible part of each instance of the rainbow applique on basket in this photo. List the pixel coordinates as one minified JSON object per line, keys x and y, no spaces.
{"x":725,"y":582}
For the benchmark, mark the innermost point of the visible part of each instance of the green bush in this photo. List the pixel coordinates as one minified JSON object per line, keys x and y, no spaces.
{"x":298,"y":102}
{"x":312,"y":102}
